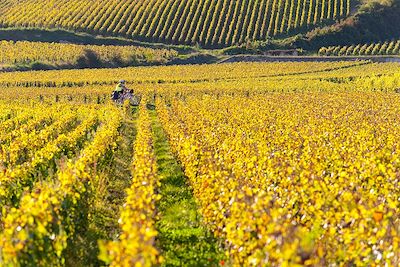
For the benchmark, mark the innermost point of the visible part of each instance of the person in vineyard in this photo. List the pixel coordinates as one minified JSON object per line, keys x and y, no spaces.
{"x":122,"y":93}
{"x":119,"y":90}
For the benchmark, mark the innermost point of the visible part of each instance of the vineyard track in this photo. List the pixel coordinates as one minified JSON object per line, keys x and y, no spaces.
{"x":182,"y":236}
{"x":110,"y":191}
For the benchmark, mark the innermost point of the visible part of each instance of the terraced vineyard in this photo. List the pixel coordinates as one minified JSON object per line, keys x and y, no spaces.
{"x":281,"y":164}
{"x":210,"y":23}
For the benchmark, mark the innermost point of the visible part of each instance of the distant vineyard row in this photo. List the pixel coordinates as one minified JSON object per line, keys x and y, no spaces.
{"x":25,"y":52}
{"x":386,"y":48}
{"x":207,"y":22}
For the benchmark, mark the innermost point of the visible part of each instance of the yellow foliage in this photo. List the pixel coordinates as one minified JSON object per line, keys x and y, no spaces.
{"x":135,"y":246}
{"x":293,"y":179}
{"x":290,"y":163}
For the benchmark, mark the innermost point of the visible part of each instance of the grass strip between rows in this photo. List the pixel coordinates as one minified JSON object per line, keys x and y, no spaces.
{"x":182,"y":238}
{"x":109,"y":194}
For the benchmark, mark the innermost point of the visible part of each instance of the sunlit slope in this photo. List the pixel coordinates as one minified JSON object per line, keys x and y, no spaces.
{"x":207,"y":22}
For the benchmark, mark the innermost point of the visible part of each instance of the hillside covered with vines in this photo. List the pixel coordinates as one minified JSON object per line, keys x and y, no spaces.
{"x":210,"y":23}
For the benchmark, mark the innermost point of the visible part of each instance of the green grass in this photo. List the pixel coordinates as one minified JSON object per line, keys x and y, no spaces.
{"x":182,"y":237}
{"x":109,"y":190}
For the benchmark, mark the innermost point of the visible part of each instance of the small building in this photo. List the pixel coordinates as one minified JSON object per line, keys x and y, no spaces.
{"x":282,"y":53}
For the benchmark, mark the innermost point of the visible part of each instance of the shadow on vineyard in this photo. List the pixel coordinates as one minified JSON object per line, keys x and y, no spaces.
{"x":182,"y":238}
{"x":65,"y":36}
{"x":108,"y":197}
{"x":374,"y":21}
{"x":90,"y":59}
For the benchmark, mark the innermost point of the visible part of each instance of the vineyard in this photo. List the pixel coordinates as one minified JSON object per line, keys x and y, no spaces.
{"x":58,"y":53}
{"x":211,"y":23}
{"x":373,"y":49}
{"x":283,"y":164}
